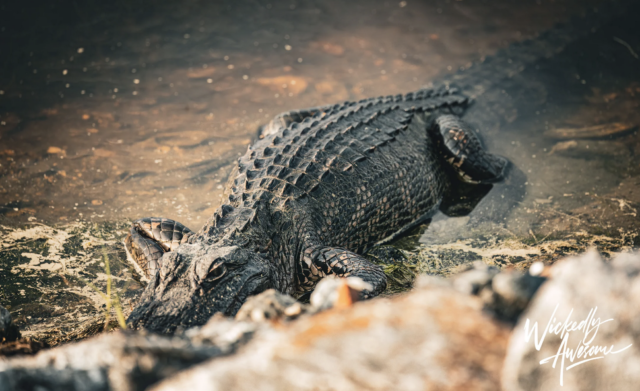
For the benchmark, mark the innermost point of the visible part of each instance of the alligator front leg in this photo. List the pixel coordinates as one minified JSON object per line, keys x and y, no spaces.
{"x":318,"y":262}
{"x":150,"y":238}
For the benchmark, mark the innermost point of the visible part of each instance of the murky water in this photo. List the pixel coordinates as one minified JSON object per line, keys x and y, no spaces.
{"x":111,"y":112}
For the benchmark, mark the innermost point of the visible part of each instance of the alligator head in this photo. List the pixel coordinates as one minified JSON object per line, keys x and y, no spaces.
{"x":196,"y":281}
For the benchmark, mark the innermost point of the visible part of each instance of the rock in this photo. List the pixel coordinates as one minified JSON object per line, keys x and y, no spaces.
{"x":270,"y":305}
{"x":224,"y":333}
{"x":510,"y":294}
{"x":332,"y":292}
{"x":430,"y":338}
{"x":123,"y":360}
{"x":8,"y":331}
{"x":474,"y":280}
{"x":505,"y":294}
{"x":115,"y":361}
{"x":581,"y":289}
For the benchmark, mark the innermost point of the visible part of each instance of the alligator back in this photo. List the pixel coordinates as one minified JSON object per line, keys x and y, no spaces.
{"x":355,"y":173}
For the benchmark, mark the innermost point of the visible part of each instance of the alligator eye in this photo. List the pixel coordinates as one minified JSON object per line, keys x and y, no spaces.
{"x":216,"y":272}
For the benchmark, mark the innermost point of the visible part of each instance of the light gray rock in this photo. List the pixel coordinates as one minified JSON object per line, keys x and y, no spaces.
{"x":336,"y":292}
{"x":430,"y":338}
{"x":475,"y":279}
{"x":270,"y":305}
{"x":330,"y":292}
{"x":510,"y":293}
{"x":585,"y":284}
{"x":123,"y":361}
{"x":504,"y":293}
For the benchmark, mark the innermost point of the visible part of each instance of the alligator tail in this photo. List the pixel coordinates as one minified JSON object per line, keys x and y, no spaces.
{"x":506,"y":63}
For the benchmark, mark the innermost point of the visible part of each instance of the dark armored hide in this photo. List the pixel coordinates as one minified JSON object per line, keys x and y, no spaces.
{"x":321,"y":188}
{"x":347,"y":176}
{"x":326,"y":184}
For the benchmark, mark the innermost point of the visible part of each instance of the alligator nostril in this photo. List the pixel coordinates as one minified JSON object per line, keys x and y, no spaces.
{"x":139,"y":317}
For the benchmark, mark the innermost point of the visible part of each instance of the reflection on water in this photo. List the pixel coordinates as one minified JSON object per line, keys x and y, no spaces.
{"x":110,"y":112}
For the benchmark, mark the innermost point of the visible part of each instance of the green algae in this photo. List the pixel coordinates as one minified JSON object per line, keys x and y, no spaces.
{"x":64,"y":283}
{"x":54,"y":279}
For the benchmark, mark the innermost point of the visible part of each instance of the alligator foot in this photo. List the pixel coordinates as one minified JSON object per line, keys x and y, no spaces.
{"x":151,"y":237}
{"x":462,"y":149}
{"x":320,"y":261}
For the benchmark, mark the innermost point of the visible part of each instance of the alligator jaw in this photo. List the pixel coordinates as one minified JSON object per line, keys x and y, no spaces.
{"x":172,"y":301}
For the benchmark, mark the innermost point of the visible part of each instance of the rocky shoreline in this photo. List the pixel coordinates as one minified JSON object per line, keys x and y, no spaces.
{"x":465,"y":332}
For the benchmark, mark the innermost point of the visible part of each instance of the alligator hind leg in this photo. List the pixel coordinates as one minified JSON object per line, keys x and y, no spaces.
{"x":478,"y":171}
{"x":150,"y":238}
{"x":462,"y":148}
{"x":321,"y":261}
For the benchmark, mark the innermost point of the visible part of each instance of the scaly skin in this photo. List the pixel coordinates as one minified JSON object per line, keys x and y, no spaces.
{"x":308,"y":199}
{"x":324,"y":186}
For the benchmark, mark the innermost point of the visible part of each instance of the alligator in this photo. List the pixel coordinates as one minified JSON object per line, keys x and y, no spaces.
{"x":326,"y":184}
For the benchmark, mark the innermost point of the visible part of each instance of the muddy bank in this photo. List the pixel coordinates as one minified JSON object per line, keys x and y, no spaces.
{"x":56,"y":280}
{"x":444,"y":334}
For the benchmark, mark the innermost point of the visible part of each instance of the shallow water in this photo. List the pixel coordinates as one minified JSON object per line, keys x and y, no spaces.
{"x":111,"y":112}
